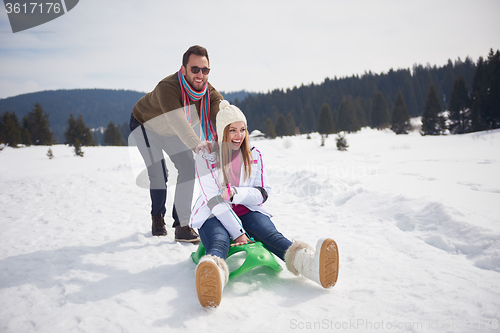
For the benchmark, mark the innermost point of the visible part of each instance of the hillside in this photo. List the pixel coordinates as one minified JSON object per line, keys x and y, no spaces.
{"x":97,"y":106}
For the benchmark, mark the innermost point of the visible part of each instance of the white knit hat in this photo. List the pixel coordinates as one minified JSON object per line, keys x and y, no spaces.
{"x":227,"y":114}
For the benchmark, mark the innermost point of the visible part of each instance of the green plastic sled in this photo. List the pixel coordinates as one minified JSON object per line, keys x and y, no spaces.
{"x":257,"y":255}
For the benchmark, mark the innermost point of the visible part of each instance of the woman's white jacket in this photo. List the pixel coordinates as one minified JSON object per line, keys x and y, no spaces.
{"x":252,"y":192}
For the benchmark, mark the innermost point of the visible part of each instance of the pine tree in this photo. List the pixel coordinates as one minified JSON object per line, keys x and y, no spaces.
{"x":326,"y":124}
{"x":492,"y":116}
{"x":50,"y":154}
{"x":310,"y":118}
{"x":2,"y":134}
{"x":485,"y":105}
{"x":11,"y":129}
{"x":290,"y":121}
{"x":26,"y":137}
{"x":400,"y":116}
{"x":380,"y":112}
{"x":341,"y":142}
{"x":78,"y":148}
{"x":78,"y":130}
{"x":302,"y":122}
{"x":448,"y":78}
{"x":84,"y":132}
{"x":38,"y":125}
{"x":432,"y":120}
{"x":360,"y":113}
{"x":274,"y":113}
{"x":70,"y":133}
{"x":125,"y":131}
{"x":479,"y":93}
{"x":347,"y":116}
{"x":459,"y":108}
{"x":270,"y":131}
{"x":281,"y":126}
{"x":112,"y":135}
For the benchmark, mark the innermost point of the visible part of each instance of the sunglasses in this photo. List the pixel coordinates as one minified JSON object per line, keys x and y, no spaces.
{"x":196,"y":70}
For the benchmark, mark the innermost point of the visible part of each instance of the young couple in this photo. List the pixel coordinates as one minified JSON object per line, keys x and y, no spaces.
{"x":233,"y":188}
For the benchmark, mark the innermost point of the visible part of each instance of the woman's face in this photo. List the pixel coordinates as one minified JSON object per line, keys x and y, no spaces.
{"x":237,"y":133}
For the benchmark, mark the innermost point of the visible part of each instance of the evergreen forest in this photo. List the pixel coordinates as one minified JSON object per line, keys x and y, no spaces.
{"x":371,"y":99}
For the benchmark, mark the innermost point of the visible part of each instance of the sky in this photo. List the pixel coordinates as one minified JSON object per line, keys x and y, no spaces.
{"x":256,"y":46}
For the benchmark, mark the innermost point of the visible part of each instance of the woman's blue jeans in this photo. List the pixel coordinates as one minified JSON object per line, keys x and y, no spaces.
{"x":216,"y":239}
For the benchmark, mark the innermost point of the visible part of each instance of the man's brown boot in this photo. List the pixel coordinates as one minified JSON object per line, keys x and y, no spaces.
{"x":185,"y":234}
{"x":158,"y":227}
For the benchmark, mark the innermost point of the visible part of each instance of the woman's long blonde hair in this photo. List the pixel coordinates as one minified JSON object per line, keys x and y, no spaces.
{"x":226,"y":154}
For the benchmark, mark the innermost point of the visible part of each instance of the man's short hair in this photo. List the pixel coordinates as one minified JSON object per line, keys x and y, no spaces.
{"x":197,"y":50}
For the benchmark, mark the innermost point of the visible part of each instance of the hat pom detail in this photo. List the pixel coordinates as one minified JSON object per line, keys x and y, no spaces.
{"x":223,"y":104}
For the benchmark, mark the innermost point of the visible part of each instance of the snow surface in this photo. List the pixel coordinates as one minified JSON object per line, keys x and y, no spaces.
{"x":416,"y":219}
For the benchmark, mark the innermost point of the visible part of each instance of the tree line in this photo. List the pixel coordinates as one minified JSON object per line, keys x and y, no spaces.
{"x":98,"y":107}
{"x":459,"y":97}
{"x":467,"y":112}
{"x":34,"y":129}
{"x":469,"y":93}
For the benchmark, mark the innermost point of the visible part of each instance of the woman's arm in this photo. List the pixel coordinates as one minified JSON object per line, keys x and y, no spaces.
{"x":257,"y":192}
{"x":208,"y":179}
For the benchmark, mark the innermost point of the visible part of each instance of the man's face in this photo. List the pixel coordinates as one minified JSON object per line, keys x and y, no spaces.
{"x":196,"y":81}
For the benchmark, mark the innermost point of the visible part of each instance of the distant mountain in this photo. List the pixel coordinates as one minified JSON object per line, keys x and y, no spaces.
{"x":97,"y":106}
{"x":232,"y":96}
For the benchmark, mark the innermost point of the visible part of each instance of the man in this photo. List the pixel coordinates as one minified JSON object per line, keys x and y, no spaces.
{"x":163,"y":120}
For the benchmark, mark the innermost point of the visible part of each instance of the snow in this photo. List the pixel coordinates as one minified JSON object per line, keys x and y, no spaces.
{"x":416,"y":219}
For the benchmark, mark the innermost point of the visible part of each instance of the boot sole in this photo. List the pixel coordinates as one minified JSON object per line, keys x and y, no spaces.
{"x":208,"y":284}
{"x":196,"y":240}
{"x":329,"y":263}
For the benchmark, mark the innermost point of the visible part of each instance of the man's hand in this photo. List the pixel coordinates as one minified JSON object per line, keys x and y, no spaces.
{"x":204,"y":146}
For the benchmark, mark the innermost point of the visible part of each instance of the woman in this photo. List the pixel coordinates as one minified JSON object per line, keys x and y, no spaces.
{"x":233,"y":187}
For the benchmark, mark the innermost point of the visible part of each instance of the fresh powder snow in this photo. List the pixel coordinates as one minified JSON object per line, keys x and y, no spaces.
{"x":416,"y":219}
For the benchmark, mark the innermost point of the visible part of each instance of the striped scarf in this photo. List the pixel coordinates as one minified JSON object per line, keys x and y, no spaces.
{"x":207,"y":132}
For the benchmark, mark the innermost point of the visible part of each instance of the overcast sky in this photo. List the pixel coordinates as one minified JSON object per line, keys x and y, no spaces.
{"x":253,"y":45}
